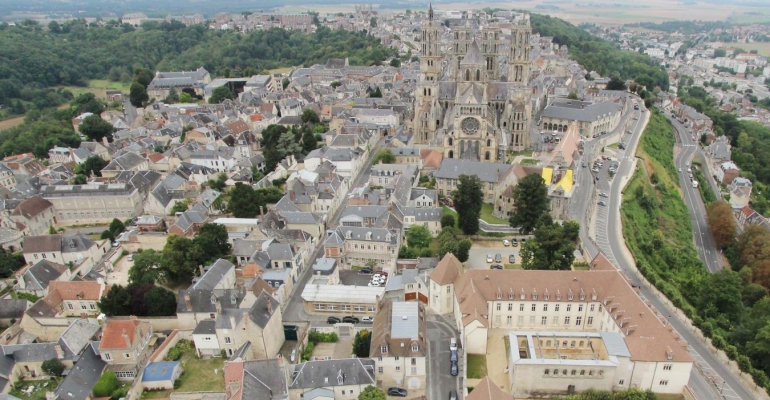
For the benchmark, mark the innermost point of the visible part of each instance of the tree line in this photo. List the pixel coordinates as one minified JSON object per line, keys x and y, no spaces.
{"x":597,"y":54}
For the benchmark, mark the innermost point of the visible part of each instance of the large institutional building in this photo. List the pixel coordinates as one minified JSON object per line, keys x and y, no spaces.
{"x":467,"y":105}
{"x":566,"y":331}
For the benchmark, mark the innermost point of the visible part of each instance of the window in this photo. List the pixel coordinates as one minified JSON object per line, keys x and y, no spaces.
{"x":556,"y":372}
{"x":414,"y":370}
{"x":579,"y":321}
{"x":127,"y":355}
{"x":555,"y":320}
{"x":590,"y":321}
{"x":592,"y":308}
{"x":509,"y":320}
{"x":383,"y":349}
{"x":591,"y":373}
{"x":534,"y":297}
{"x":398,"y":368}
{"x":621,"y":382}
{"x":415,"y":348}
{"x":572,"y":344}
{"x":534,"y":306}
{"x":227,"y":340}
{"x":582,"y":372}
{"x":663,"y":383}
{"x":580,"y":308}
{"x":573,"y":372}
{"x":449,"y":289}
{"x":521,"y":307}
{"x":532,"y":320}
{"x":510,"y":307}
{"x":521,"y":320}
{"x":557,"y":307}
{"x":543,"y":320}
{"x":379,"y":370}
{"x":667,"y":367}
{"x":107,"y":356}
{"x":498,"y":306}
{"x":545,"y":307}
{"x":320,"y":306}
{"x":566,"y":320}
{"x":569,"y":307}
{"x":93,"y":306}
{"x":546,"y":371}
{"x":70,"y":306}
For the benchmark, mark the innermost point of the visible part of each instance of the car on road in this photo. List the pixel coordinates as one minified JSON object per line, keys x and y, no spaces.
{"x":350,"y":319}
{"x":453,"y":395}
{"x":511,"y":259}
{"x":603,"y":194}
{"x":333,"y":320}
{"x":367,"y":320}
{"x":489,"y":258}
{"x":115,"y":244}
{"x":595,"y":170}
{"x":455,"y":369}
{"x":506,"y":243}
{"x":584,"y":165}
{"x":514,"y":242}
{"x":622,"y":146}
{"x":452,"y":344}
{"x":680,"y":170}
{"x":496,"y":266}
{"x":498,"y":257}
{"x":453,"y":355}
{"x":397,"y":392}
{"x":130,"y":257}
{"x":365,"y":271}
{"x":602,"y":203}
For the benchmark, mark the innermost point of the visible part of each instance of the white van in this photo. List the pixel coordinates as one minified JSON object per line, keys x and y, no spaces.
{"x":452,"y":344}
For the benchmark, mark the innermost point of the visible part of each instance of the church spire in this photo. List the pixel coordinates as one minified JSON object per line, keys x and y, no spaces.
{"x":430,"y":11}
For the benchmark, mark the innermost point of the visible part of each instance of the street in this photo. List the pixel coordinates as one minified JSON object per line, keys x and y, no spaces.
{"x":705,"y":362}
{"x":440,"y":380}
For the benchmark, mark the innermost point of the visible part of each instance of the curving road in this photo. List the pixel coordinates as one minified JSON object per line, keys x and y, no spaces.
{"x":708,"y":252}
{"x":710,"y":379}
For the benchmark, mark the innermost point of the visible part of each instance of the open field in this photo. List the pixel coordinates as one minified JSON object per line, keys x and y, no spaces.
{"x":763,"y":48}
{"x":602,"y":12}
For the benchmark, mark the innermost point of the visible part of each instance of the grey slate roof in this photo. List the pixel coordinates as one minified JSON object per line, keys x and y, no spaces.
{"x":265,"y":379}
{"x":452,"y":168}
{"x":76,"y":243}
{"x":77,"y":336}
{"x":31,"y":352}
{"x":314,"y":374}
{"x":38,"y":276}
{"x":83,"y":376}
{"x":575,"y":110}
{"x":13,"y":308}
{"x":213,"y":274}
{"x":205,"y":327}
{"x":200,"y":300}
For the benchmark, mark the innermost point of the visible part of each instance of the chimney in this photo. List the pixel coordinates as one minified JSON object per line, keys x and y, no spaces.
{"x":187,"y":302}
{"x":232,"y":322}
{"x":261,"y":212}
{"x":292,"y":196}
{"x":128,"y":341}
{"x":245,"y":319}
{"x":200,"y":268}
{"x":269,"y":307}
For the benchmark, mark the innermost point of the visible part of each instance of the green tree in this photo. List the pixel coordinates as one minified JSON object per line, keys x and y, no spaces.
{"x":180,"y":258}
{"x":220,"y":94}
{"x":106,"y":234}
{"x":107,"y":384}
{"x":172,"y":97}
{"x":406,"y":252}
{"x":138,"y":94}
{"x":395,"y":62}
{"x":375,"y":93}
{"x":92,"y":166}
{"x":53,"y":367}
{"x":310,"y":116}
{"x":384,"y":156}
{"x":550,"y":249}
{"x":572,"y":96}
{"x":530,"y":201}
{"x":287,"y":144}
{"x":95,"y":128}
{"x":372,"y":393}
{"x":447,"y":220}
{"x":616,"y":84}
{"x":243,"y":202}
{"x":309,"y":141}
{"x":468,"y":199}
{"x":335,"y":84}
{"x":146,"y":268}
{"x":117,"y":302}
{"x":373,"y":22}
{"x":285,"y":82}
{"x":723,"y":296}
{"x":9,"y":262}
{"x":117,"y":227}
{"x":54,"y":27}
{"x":463,"y":250}
{"x":143,"y":76}
{"x":720,"y":53}
{"x":418,"y":236}
{"x":185,"y":97}
{"x":161,"y":302}
{"x":212,"y":242}
{"x":361,"y":343}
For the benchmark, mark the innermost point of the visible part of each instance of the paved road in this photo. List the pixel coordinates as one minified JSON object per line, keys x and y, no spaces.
{"x":129,"y":110}
{"x":710,"y":373}
{"x":293,"y":312}
{"x":440,"y":381}
{"x":704,"y":242}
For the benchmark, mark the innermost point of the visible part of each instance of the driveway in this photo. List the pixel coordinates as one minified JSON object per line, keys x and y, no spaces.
{"x":477,"y":257}
{"x":440,"y":381}
{"x":119,"y":273}
{"x":355,"y":278}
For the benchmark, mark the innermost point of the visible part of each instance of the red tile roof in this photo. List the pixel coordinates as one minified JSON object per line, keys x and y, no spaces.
{"x":117,"y":331}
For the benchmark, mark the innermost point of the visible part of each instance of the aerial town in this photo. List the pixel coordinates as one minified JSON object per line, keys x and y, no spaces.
{"x":479,"y":216}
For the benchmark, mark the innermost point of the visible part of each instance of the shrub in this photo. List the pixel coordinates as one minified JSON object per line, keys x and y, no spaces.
{"x":106,"y":385}
{"x":53,"y":367}
{"x":316,"y":337}
{"x":308,"y":351}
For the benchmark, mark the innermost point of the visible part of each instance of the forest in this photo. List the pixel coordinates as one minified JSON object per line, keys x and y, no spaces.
{"x":33,"y":57}
{"x":684,"y":27}
{"x":597,"y":54}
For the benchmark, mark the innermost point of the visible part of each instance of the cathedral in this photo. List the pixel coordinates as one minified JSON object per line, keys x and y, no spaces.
{"x":464,"y":103}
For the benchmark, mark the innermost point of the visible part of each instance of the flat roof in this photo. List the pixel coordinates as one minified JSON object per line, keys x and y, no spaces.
{"x":342,"y":293}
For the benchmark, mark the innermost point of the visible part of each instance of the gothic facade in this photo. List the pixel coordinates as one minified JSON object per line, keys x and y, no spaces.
{"x":464,"y":103}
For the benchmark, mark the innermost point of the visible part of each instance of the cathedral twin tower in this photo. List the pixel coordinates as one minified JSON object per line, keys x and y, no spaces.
{"x":464,"y":104}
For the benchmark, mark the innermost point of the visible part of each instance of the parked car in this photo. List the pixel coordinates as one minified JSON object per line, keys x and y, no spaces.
{"x":453,"y":355}
{"x":453,"y":395}
{"x":489,"y":258}
{"x":496,"y":266}
{"x":350,"y":319}
{"x":603,"y":194}
{"x":602,"y":203}
{"x":511,"y":259}
{"x":452,"y":344}
{"x":373,"y":284}
{"x":522,"y":241}
{"x":115,"y":244}
{"x":293,"y":355}
{"x":367,"y":320}
{"x":333,"y":320}
{"x":455,"y":369}
{"x":498,"y":257}
{"x":365,"y":271}
{"x":506,"y":243}
{"x":514,"y":242}
{"x":397,"y":392}
{"x":130,"y":257}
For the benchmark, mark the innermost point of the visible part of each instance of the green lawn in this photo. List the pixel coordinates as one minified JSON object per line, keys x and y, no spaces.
{"x":512,"y":266}
{"x":530,"y":161}
{"x":41,"y":386}
{"x":477,"y":366}
{"x":449,"y":211}
{"x":486,"y":215}
{"x":108,"y":85}
{"x":198,"y":376}
{"x":614,"y":145}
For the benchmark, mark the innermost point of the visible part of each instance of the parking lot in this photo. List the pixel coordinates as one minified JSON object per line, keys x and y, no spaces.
{"x":477,"y":258}
{"x":354,"y":278}
{"x":119,"y":273}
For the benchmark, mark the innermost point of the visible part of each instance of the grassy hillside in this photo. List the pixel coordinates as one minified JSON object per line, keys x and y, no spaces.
{"x":655,"y":219}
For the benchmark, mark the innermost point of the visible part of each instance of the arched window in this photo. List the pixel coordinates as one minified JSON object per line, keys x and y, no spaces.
{"x":450,"y":141}
{"x":478,"y":75}
{"x":547,"y":343}
{"x":467,"y":74}
{"x":486,"y":156}
{"x":451,"y":154}
{"x":489,"y":142}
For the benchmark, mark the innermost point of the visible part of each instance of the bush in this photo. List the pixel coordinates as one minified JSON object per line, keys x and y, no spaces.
{"x":119,"y":393}
{"x":176,"y":352}
{"x":308,"y":351}
{"x":53,"y":367}
{"x":316,"y":337}
{"x":106,"y":385}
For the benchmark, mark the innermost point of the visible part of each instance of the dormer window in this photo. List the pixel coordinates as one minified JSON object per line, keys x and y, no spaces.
{"x":383,"y":349}
{"x":348,"y":234}
{"x":546,"y":297}
{"x":534,"y":296}
{"x":499,"y":295}
{"x":510,"y":296}
{"x":569,"y":297}
{"x":368,"y":236}
{"x":415,"y":347}
{"x":582,"y":297}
